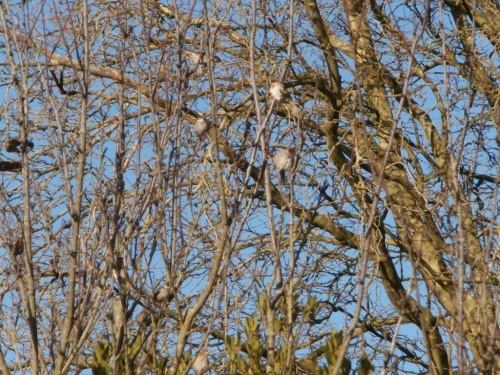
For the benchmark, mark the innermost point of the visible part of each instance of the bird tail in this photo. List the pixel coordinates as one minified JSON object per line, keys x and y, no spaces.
{"x":282,"y":177}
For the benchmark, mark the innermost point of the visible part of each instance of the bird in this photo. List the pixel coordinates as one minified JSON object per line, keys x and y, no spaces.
{"x":201,"y":126}
{"x":144,"y":318}
{"x":165,"y":293}
{"x":12,"y":144}
{"x":277,"y":89}
{"x":284,"y":161}
{"x":200,"y":58}
{"x":200,"y":364}
{"x":197,"y":58}
{"x":308,"y":366}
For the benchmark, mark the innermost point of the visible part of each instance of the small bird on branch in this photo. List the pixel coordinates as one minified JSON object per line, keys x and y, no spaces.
{"x":284,"y":161}
{"x":201,"y":126}
{"x":277,"y":89}
{"x":200,"y":364}
{"x":165,"y":293}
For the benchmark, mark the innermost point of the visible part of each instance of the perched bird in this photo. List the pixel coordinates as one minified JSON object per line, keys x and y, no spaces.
{"x":200,"y":58}
{"x":197,"y":58}
{"x":284,"y":161}
{"x":144,"y":318}
{"x":12,"y":144}
{"x":200,"y":364}
{"x":308,"y":366}
{"x":293,"y":108}
{"x":165,"y":293}
{"x":201,"y":126}
{"x":277,"y":90}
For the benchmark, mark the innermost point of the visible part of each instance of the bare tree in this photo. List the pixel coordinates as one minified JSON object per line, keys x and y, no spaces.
{"x":260,"y":187}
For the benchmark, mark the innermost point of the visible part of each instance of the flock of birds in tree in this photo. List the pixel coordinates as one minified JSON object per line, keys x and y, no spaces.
{"x":283,"y":161}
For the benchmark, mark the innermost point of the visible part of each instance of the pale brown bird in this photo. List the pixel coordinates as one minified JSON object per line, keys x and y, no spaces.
{"x":200,"y":58}
{"x":200,"y":364}
{"x":284,"y":160}
{"x":144,"y":318}
{"x":197,"y":58}
{"x":165,"y":293}
{"x":277,"y":89}
{"x":201,"y":126}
